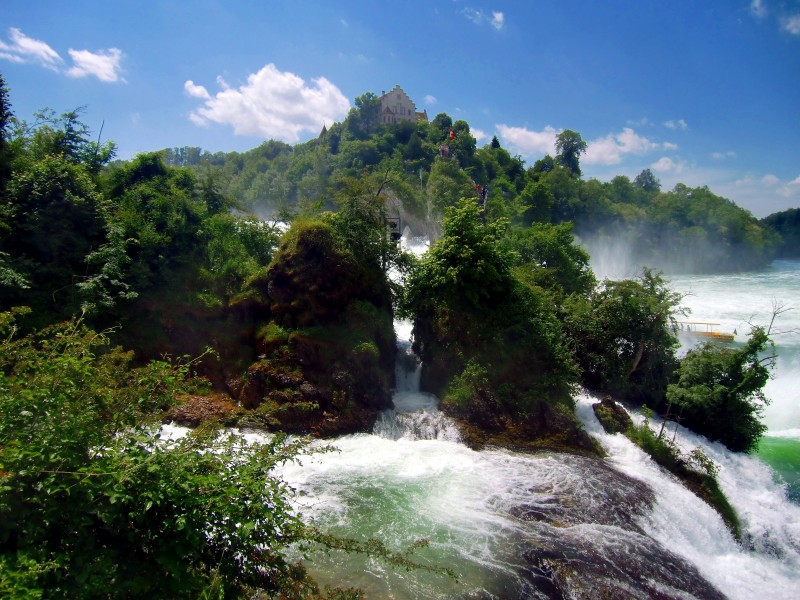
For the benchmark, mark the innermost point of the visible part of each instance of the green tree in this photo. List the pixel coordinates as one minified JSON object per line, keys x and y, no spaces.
{"x":490,"y":345}
{"x":94,"y":502}
{"x":569,"y":147}
{"x":6,"y":117}
{"x":622,"y":336}
{"x":550,"y":258}
{"x":719,"y":391}
{"x":647,"y":181}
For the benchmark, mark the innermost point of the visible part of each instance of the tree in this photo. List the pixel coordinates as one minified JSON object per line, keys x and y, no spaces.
{"x":368,"y":106}
{"x":647,"y":181}
{"x":622,"y":338}
{"x":569,"y":147}
{"x":549,"y":258}
{"x":6,"y":117}
{"x":96,"y":503}
{"x":719,"y":392}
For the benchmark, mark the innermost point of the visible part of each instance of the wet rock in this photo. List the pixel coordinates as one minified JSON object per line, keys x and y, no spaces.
{"x":613,"y":417}
{"x":194,"y":410}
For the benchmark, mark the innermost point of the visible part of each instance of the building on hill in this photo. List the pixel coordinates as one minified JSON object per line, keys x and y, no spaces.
{"x":397,"y":106}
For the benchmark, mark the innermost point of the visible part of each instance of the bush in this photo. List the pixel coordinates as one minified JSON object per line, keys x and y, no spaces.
{"x":93,"y":504}
{"x":720,"y":391}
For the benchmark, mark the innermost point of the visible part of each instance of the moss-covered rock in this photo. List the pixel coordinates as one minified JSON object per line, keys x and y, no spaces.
{"x":327,"y":353}
{"x":612,"y":416}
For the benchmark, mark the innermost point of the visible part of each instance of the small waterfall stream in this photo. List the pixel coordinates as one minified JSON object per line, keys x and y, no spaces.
{"x":416,"y":415}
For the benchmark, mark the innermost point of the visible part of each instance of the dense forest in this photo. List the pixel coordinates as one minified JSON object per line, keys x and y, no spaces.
{"x":434,"y":164}
{"x":252,"y":289}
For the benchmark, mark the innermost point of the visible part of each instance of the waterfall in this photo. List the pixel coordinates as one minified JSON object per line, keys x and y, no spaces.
{"x":416,"y":415}
{"x":766,"y":564}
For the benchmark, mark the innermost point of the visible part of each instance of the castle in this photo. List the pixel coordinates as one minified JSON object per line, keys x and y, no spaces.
{"x":397,"y":106}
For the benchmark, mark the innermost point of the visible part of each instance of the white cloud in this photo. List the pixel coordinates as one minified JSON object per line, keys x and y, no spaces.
{"x":610,"y":149}
{"x":792,"y":24}
{"x":196,"y":91}
{"x":430,"y":100}
{"x":770,"y":179}
{"x":498,"y":20}
{"x":477,"y":16}
{"x":26,"y":49}
{"x":478,"y":134}
{"x":272,"y":104}
{"x":529,"y":143}
{"x":679,"y":124}
{"x":666,"y":165}
{"x":639,"y":123}
{"x":669,"y":146}
{"x":758,"y":9}
{"x":723,"y":155}
{"x":105,"y":64}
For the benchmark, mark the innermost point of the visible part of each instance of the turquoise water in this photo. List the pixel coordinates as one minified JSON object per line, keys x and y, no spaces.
{"x":783,"y":455}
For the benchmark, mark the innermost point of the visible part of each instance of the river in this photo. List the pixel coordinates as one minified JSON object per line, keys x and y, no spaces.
{"x":551,"y":525}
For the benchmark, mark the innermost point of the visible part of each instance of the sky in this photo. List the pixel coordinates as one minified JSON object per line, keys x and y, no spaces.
{"x":701,"y":92}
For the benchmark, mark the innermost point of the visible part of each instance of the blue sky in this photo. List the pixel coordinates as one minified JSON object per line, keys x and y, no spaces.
{"x":702,"y":92}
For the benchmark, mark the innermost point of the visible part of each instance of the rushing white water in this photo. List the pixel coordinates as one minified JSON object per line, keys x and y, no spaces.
{"x":767,"y":564}
{"x":735,"y":302}
{"x":549,"y":525}
{"x":545,"y":525}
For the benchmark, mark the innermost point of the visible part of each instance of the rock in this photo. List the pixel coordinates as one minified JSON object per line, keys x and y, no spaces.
{"x":195,"y":410}
{"x":612,"y":416}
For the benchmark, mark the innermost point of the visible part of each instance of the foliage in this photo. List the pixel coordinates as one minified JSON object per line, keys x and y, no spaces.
{"x":786,"y":224}
{"x":570,"y":146}
{"x":549,"y":258}
{"x":475,"y":322}
{"x":622,"y":338}
{"x":719,"y":391}
{"x":94,"y":505}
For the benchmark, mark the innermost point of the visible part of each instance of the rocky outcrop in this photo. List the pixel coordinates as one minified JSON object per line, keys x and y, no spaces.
{"x":327,"y":353}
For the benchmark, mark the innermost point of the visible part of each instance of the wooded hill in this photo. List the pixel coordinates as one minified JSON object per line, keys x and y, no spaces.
{"x":431,"y":165}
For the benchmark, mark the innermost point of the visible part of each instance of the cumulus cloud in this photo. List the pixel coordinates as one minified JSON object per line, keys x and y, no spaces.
{"x":610,"y":149}
{"x":23,"y":49}
{"x":272,"y":104}
{"x":770,"y":179}
{"x":758,"y":9}
{"x":498,"y":20}
{"x":196,"y":91}
{"x":478,"y":134}
{"x":430,"y":99}
{"x":679,"y":124}
{"x":477,"y":16}
{"x":105,"y":64}
{"x":723,"y":155}
{"x":766,"y":186}
{"x":666,"y":165}
{"x":527,"y":142}
{"x":792,"y":24}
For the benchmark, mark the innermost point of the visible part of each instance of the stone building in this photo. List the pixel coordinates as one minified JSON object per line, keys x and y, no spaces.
{"x":397,"y":106}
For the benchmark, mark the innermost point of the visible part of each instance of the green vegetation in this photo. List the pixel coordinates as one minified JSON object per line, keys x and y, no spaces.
{"x":695,"y":470}
{"x":292,"y":330}
{"x":719,"y":391}
{"x":93,"y":503}
{"x":491,"y":345}
{"x":622,"y":337}
{"x":786,"y":224}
